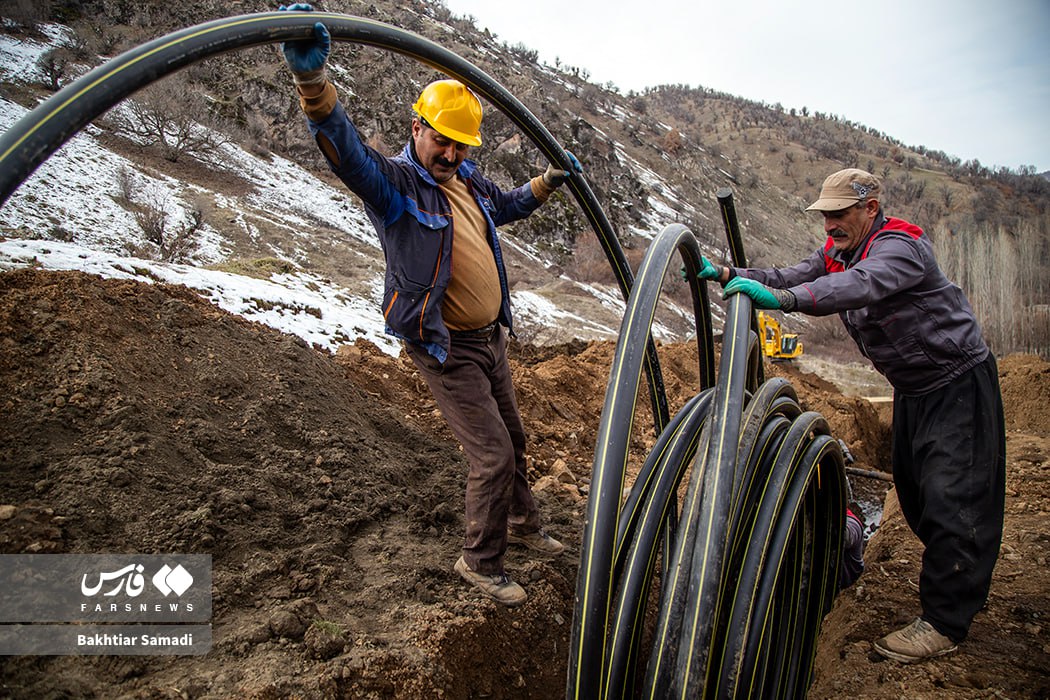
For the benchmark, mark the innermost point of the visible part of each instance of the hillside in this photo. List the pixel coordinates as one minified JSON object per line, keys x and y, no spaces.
{"x":327,"y":489}
{"x":256,"y":189}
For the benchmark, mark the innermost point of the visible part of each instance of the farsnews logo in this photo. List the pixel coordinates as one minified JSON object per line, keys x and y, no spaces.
{"x":130,"y":581}
{"x":154,"y":588}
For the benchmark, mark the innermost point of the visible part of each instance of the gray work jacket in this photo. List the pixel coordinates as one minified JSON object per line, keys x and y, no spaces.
{"x":915,"y":326}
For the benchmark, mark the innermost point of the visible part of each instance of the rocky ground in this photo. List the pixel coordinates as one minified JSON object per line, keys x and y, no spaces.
{"x":139,"y":418}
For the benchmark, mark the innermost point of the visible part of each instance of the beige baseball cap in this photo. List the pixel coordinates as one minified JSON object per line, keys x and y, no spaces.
{"x":845,"y":188}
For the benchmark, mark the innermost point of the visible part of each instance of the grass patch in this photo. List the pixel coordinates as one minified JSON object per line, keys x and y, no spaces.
{"x":329,"y":628}
{"x":259,"y":268}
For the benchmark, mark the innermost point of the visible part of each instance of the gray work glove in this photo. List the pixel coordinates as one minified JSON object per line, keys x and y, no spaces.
{"x":556,"y":177}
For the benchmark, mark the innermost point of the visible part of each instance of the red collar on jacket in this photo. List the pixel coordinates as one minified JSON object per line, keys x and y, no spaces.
{"x":888,"y":224}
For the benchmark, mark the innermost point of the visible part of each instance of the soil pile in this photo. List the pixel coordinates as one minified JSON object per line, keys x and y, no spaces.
{"x":328,"y":491}
{"x":1024,"y":380}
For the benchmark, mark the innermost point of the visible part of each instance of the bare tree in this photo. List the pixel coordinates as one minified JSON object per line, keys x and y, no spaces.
{"x":54,"y":66}
{"x":1003,"y":273}
{"x":911,"y":189}
{"x":175,"y":241}
{"x":152,"y":217}
{"x":173,"y":116}
{"x":947,"y":196}
{"x":672,"y":142}
{"x":986,"y":203}
{"x":95,"y":37}
{"x":180,"y":245}
{"x":127,"y":185}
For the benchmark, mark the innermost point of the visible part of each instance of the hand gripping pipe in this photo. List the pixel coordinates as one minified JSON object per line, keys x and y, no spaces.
{"x":748,"y":569}
{"x":727,"y":209}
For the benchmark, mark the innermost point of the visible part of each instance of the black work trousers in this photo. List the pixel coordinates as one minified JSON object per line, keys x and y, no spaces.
{"x":474,"y":393}
{"x":949,"y":469}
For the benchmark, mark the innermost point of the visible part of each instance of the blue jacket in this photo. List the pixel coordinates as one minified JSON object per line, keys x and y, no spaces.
{"x":915,"y":326}
{"x":413,"y":218}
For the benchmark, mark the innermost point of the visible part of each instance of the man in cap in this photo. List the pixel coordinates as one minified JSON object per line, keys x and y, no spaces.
{"x":917,"y":328}
{"x":446,"y":294}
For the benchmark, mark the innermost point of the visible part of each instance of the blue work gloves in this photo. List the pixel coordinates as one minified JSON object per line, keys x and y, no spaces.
{"x":764,"y":297}
{"x":307,"y":57}
{"x":556,"y":177}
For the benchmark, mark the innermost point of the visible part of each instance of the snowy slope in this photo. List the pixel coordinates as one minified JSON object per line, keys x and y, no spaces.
{"x":68,"y":215}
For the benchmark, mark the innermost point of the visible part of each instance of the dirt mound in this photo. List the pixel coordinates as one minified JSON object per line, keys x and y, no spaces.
{"x":141,"y":418}
{"x":1024,"y":380}
{"x":328,"y":490}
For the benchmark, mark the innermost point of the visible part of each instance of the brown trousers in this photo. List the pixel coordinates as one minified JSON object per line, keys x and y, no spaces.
{"x":474,"y":392}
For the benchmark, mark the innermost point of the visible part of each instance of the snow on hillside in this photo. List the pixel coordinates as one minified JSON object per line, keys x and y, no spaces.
{"x":300,"y":304}
{"x":69,"y":215}
{"x":77,"y":189}
{"x":18,"y":56}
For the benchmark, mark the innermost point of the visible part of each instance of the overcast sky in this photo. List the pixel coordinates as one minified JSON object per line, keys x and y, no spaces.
{"x":967,"y":77}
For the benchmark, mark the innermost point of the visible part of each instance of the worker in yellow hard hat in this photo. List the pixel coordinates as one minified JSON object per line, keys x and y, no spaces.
{"x":447,"y":124}
{"x":445,"y":292}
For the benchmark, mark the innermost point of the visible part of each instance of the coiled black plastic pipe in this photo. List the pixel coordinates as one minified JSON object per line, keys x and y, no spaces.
{"x":753,"y":560}
{"x":748,"y":568}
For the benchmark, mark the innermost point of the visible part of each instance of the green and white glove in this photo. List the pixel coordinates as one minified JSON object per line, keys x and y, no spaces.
{"x":708,"y":271}
{"x":764,"y":297}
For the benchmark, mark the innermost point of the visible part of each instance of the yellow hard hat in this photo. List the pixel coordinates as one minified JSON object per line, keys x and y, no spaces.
{"x":451,"y":109}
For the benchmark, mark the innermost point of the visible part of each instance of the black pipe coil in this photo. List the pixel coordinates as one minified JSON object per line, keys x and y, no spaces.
{"x":752,"y":566}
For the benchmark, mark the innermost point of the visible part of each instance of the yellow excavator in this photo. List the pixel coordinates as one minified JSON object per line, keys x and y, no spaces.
{"x":777,"y":345}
